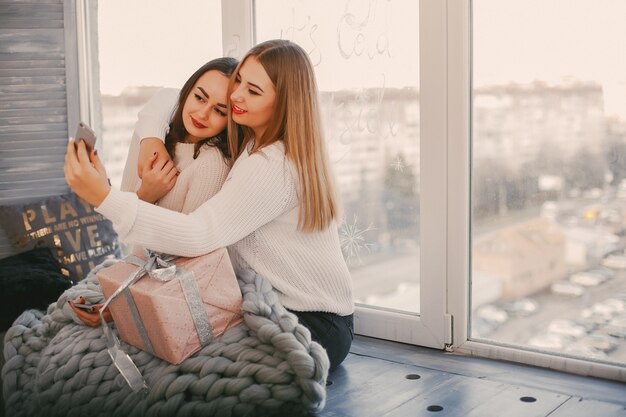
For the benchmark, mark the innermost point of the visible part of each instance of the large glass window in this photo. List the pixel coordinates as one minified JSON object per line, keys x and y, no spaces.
{"x":145,"y":45}
{"x":548,"y":153}
{"x":549,"y":176}
{"x":366,"y":58}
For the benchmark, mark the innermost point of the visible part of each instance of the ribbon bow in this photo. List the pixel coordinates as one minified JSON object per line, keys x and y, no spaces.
{"x":158,"y":266}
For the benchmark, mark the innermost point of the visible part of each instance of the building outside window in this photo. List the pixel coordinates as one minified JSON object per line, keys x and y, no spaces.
{"x":549,"y":213}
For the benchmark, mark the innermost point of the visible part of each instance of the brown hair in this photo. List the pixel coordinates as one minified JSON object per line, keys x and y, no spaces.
{"x":177,"y":131}
{"x":296,"y":121}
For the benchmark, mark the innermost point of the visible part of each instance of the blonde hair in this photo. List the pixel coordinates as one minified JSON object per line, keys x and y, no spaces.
{"x":296,"y":121}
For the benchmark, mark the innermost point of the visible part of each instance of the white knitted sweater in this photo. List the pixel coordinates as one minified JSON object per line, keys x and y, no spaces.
{"x":199,"y":179}
{"x":255,"y":215}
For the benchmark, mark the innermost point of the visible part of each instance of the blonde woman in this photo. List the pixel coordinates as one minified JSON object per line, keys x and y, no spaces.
{"x":276,"y":212}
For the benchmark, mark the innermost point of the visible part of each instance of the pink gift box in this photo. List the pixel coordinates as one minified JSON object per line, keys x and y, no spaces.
{"x":163,"y":309}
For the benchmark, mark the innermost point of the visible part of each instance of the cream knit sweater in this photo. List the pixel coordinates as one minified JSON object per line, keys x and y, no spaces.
{"x":199,"y":179}
{"x":255,"y":215}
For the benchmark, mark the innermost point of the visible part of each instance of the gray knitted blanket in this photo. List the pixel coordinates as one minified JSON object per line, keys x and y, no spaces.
{"x":56,"y":366}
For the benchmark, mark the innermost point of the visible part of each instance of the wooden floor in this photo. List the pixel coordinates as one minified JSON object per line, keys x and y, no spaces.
{"x":381,"y":378}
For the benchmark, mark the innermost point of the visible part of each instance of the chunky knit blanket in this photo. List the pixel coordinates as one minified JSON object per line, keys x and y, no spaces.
{"x":56,"y":366}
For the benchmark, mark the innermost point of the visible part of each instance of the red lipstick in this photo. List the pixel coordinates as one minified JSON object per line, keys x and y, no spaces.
{"x":197,"y":123}
{"x":237,"y":110}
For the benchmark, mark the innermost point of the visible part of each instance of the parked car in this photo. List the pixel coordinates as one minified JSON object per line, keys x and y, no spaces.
{"x":587,"y":279}
{"x":521,"y":307}
{"x":589,"y":325}
{"x":492,"y":314}
{"x":605,"y":272}
{"x":581,"y":349}
{"x":615,"y":261}
{"x":617,"y":327}
{"x":565,"y":327}
{"x":590,"y":317}
{"x":481,"y":328}
{"x":609,"y":307}
{"x":567,"y":288}
{"x":600,"y":341}
{"x":550,"y":341}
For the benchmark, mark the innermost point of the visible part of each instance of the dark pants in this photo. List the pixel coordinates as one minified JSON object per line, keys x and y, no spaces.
{"x":333,"y":332}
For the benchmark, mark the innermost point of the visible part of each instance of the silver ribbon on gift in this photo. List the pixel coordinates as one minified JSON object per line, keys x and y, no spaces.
{"x":160,"y":267}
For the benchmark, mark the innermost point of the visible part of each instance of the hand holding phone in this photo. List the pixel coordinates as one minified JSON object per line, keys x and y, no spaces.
{"x":85,"y":133}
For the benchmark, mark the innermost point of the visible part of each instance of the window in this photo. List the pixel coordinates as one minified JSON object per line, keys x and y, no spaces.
{"x":138,"y":56}
{"x":512,"y":140}
{"x":366,"y":58}
{"x":551,"y":194}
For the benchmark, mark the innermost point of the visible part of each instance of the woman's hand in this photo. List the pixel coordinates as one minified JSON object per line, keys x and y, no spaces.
{"x":90,"y":314}
{"x":147,"y":148}
{"x":85,"y":175}
{"x":158,"y":178}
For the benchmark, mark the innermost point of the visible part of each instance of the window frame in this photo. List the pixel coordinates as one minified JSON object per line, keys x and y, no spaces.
{"x":432,"y":327}
{"x":86,"y":55}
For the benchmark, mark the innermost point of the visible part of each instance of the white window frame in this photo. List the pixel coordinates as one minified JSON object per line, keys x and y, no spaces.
{"x":90,"y":112}
{"x":432,"y":327}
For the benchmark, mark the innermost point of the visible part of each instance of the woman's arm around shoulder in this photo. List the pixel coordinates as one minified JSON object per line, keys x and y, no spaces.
{"x":153,"y":122}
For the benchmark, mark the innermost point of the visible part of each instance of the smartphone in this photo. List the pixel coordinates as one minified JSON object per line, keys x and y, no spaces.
{"x":84,"y":132}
